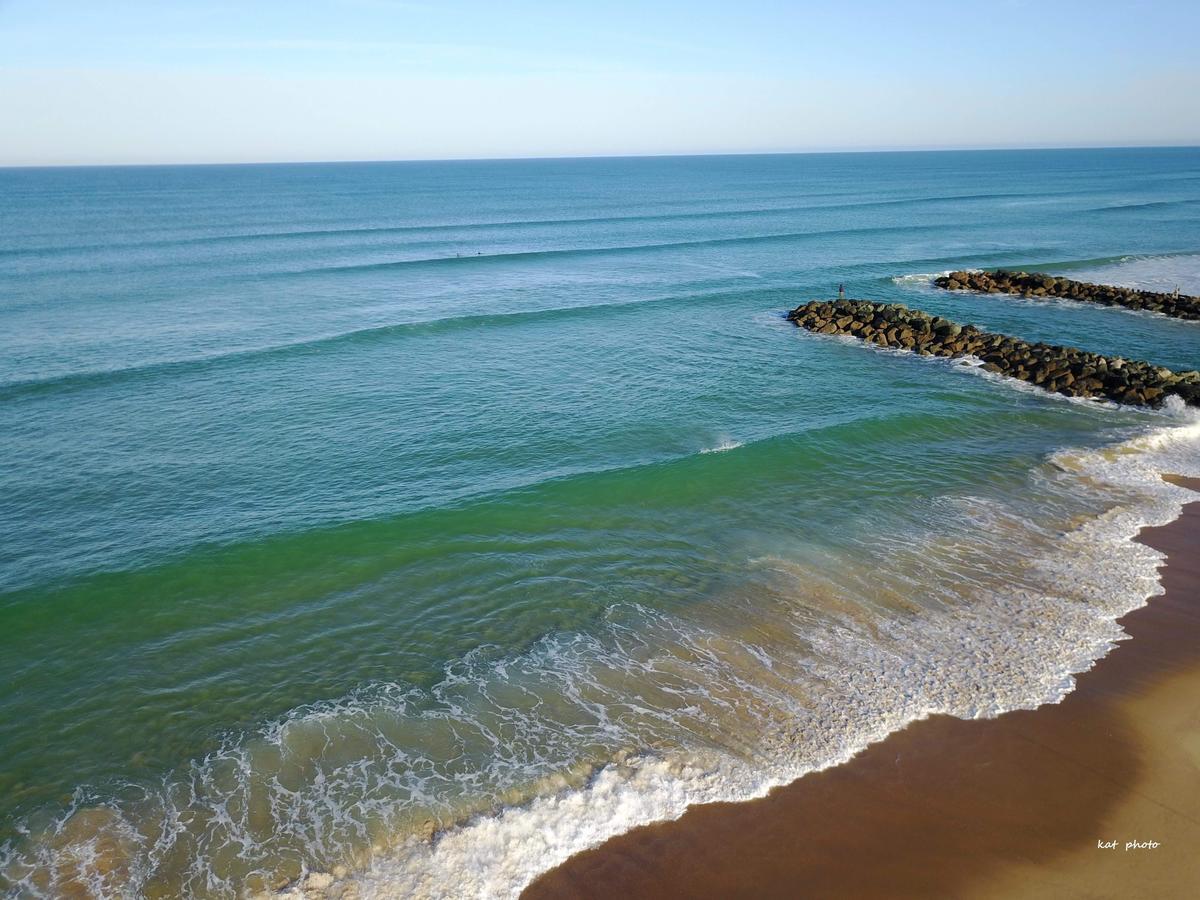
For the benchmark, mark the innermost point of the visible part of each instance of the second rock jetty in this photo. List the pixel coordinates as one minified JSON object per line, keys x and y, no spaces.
{"x":1063,"y":370}
{"x":1035,"y":284}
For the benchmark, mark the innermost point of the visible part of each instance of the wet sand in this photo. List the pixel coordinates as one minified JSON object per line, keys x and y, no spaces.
{"x":999,"y":808}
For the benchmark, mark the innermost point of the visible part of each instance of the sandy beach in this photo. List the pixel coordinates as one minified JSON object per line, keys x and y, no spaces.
{"x":480,"y":451}
{"x":1097,"y":796}
{"x":417,"y":528}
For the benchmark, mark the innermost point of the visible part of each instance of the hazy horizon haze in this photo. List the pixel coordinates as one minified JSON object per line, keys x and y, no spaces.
{"x":373,"y":80}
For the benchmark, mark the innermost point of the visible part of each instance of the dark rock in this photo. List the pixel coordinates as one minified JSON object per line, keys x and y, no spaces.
{"x":1065,"y":370}
{"x":1037,"y":284}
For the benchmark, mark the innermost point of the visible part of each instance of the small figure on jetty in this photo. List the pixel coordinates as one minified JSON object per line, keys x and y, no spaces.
{"x":841,"y":292}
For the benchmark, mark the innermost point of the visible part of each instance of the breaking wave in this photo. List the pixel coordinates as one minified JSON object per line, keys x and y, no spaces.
{"x":510,"y":764}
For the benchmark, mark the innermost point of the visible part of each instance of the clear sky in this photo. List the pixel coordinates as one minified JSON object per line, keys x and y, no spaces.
{"x":145,"y":81}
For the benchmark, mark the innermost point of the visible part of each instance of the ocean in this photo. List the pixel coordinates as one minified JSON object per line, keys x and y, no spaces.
{"x":425,"y":523}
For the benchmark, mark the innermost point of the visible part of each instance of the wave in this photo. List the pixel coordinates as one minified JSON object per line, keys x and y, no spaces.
{"x":1124,"y":267}
{"x":585,"y":736}
{"x":1090,"y":262}
{"x":973,"y":365}
{"x":14,"y":389}
{"x":498,"y":855}
{"x":1082,"y":305}
{"x":1154,"y":204}
{"x":359,"y":231}
{"x":926,"y":279}
{"x":1119,"y":259}
{"x":920,"y":277}
{"x":665,"y":474}
{"x":580,"y":252}
{"x":1163,"y":272}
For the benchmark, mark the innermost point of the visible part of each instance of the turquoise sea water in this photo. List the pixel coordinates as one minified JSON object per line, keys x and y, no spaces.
{"x":345,"y":503}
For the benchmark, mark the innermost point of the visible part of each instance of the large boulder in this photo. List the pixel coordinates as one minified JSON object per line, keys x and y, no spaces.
{"x":1065,"y":370}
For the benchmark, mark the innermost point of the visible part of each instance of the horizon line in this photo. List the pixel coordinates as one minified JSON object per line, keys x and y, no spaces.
{"x":598,"y":156}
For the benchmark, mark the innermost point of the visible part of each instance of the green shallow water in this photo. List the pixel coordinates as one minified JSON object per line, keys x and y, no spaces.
{"x":358,"y":435}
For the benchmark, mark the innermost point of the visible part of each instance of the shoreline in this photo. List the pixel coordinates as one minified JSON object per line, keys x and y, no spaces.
{"x":986,"y":808}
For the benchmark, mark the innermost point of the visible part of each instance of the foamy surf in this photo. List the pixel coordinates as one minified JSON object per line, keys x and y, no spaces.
{"x":1102,"y":571}
{"x":973,"y":365}
{"x":922,"y":278}
{"x":1153,"y":272}
{"x":725,"y":445}
{"x":563,"y":617}
{"x":750,"y":693}
{"x":1157,"y":272}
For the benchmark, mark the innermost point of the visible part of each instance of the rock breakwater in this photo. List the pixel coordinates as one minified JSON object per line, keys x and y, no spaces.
{"x":1063,"y":370}
{"x":1035,"y":284}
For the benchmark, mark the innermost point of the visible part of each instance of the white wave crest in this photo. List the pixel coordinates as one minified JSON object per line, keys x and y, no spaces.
{"x":509,"y":766}
{"x":964,"y":663}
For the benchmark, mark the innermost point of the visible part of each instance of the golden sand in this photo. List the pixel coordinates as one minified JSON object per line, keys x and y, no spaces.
{"x":1025,"y":805}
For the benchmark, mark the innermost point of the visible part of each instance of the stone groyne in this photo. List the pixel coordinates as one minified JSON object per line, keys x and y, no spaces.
{"x":1027,"y":284}
{"x":1063,"y":370}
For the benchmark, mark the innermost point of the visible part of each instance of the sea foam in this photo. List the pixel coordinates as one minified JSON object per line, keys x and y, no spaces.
{"x":1013,"y":650}
{"x":585,"y":737}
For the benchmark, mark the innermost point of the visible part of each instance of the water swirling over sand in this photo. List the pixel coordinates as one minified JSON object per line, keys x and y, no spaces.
{"x":512,"y":763}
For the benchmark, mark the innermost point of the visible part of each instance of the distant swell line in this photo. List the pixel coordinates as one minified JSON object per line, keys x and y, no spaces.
{"x":604,"y":251}
{"x":15,"y":389}
{"x":1154,"y":204}
{"x":513,"y":223}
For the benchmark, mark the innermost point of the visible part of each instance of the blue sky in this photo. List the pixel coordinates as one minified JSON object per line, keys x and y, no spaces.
{"x":131,"y":81}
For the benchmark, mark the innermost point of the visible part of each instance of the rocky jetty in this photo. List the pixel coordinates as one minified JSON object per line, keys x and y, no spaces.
{"x":1063,"y":370}
{"x":1034,"y":284}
